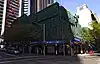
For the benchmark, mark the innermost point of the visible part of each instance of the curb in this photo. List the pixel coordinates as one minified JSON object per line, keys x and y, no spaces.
{"x":87,"y":55}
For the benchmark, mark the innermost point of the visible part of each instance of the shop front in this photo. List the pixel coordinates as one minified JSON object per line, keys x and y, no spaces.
{"x":77,"y":45}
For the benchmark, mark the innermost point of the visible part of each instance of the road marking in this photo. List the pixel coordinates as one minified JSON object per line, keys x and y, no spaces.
{"x":19,"y":60}
{"x":25,"y":57}
{"x":6,"y":62}
{"x":10,"y":55}
{"x":16,"y":60}
{"x":11,"y":61}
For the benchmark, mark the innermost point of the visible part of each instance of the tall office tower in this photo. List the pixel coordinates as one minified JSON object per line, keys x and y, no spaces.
{"x":99,"y":19}
{"x":33,"y":6}
{"x":41,"y":4}
{"x":9,"y":11}
{"x":96,"y":16}
{"x":24,"y":8}
{"x":86,"y":16}
{"x":37,"y":5}
{"x":2,"y":14}
{"x":49,"y":2}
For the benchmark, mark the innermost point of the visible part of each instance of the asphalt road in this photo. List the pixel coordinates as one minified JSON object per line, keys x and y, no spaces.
{"x":6,"y":58}
{"x":4,"y":55}
{"x":35,"y":59}
{"x":44,"y":60}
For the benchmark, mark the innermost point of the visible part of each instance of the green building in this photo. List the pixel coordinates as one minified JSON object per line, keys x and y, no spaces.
{"x":75,"y":26}
{"x":57,"y":25}
{"x":52,"y":24}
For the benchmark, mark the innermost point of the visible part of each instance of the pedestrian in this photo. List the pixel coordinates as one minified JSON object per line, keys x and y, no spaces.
{"x":90,"y":50}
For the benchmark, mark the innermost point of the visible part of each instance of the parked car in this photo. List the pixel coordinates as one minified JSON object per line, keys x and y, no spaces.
{"x":12,"y":50}
{"x":2,"y":49}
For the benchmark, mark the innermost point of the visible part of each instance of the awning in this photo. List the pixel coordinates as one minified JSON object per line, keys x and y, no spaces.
{"x":76,"y":40}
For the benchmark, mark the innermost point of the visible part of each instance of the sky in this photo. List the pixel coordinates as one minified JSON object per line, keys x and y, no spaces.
{"x":73,"y":4}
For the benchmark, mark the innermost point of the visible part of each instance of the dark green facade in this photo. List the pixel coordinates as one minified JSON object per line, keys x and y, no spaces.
{"x":75,"y":26}
{"x":59,"y":25}
{"x":23,"y":30}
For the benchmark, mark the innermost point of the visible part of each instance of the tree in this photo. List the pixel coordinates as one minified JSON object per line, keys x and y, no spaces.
{"x":87,"y":36}
{"x":96,"y":32}
{"x":95,"y":28}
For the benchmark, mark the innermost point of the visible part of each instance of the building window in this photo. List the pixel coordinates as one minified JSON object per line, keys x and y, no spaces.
{"x":81,"y":8}
{"x":48,"y":1}
{"x":93,"y":17}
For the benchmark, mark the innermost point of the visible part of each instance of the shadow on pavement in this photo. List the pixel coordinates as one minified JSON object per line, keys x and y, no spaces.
{"x":40,"y":59}
{"x":52,"y":59}
{"x":65,"y":60}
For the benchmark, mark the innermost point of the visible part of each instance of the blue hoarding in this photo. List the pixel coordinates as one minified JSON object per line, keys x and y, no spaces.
{"x":48,"y":42}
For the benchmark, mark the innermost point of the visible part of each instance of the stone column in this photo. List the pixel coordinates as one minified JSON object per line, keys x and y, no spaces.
{"x":23,"y":49}
{"x":56,"y":49}
{"x":30,"y":49}
{"x":44,"y":50}
{"x":37,"y":50}
{"x":64,"y":49}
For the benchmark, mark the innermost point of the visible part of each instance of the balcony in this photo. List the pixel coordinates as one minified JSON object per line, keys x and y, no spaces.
{"x":1,"y":2}
{"x":14,"y":3}
{"x":11,"y":17}
{"x":1,"y":14}
{"x":0,"y":17}
{"x":1,"y":11}
{"x":0,"y":21}
{"x":14,"y":6}
{"x":0,"y":24}
{"x":1,"y":7}
{"x":10,"y":20}
{"x":15,"y":10}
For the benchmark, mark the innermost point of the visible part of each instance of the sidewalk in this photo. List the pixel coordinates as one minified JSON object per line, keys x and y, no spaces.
{"x":89,"y":55}
{"x":97,"y":54}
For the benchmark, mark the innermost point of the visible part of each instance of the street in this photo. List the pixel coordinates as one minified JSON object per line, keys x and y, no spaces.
{"x":6,"y":58}
{"x":4,"y":55}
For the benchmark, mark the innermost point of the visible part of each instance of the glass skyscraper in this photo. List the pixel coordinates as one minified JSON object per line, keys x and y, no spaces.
{"x":9,"y":11}
{"x":24,"y":8}
{"x":34,"y":5}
